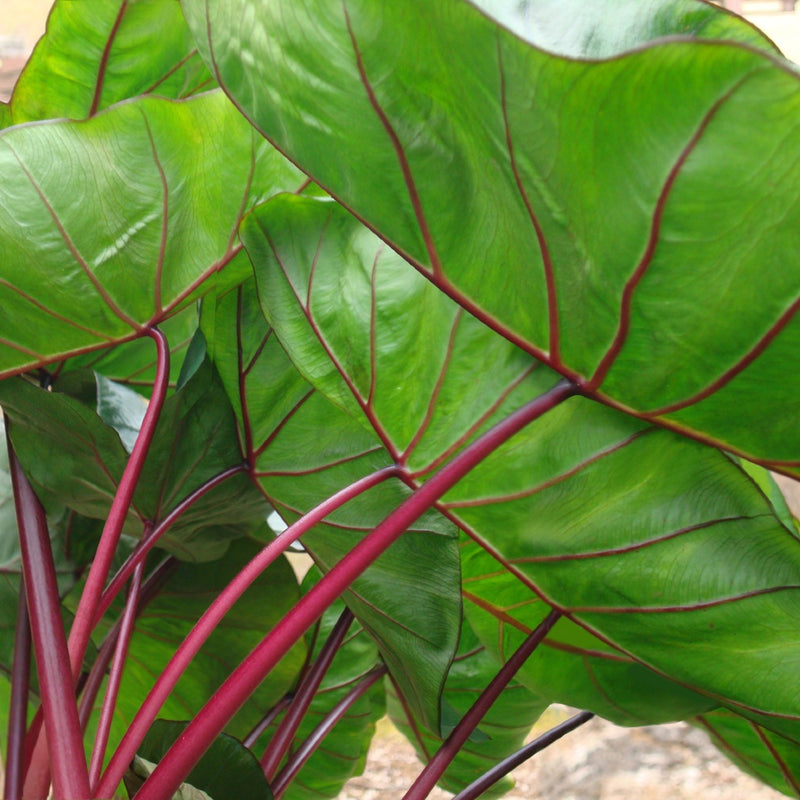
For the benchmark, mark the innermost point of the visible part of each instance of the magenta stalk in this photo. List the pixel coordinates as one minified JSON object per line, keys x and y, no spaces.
{"x":500,"y":770}
{"x":435,"y":768}
{"x":115,"y":677}
{"x":67,"y":759}
{"x":206,"y":726}
{"x":18,"y":705}
{"x":207,"y":623}
{"x":282,"y":740}
{"x":315,"y":738}
{"x":86,"y":613}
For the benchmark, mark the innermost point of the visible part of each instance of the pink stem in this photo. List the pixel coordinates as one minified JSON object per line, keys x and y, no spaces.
{"x":315,"y":738}
{"x":86,"y":614}
{"x":282,"y":740}
{"x":207,"y":623}
{"x":226,"y":701}
{"x":150,"y":539}
{"x":450,"y":748}
{"x":115,"y":677}
{"x":67,"y":759}
{"x":18,"y":705}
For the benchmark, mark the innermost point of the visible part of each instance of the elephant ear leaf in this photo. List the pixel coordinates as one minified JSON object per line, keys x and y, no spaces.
{"x":610,"y":237}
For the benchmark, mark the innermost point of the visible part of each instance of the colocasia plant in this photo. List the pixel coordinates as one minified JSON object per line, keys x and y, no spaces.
{"x":489,"y":307}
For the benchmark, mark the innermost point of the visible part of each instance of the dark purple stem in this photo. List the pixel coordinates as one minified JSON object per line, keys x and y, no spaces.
{"x":282,"y":740}
{"x":86,"y":614}
{"x":209,"y":621}
{"x":500,"y":770}
{"x":18,"y":705}
{"x":115,"y":677}
{"x":469,"y":722}
{"x":206,"y":726}
{"x":268,"y":719}
{"x":67,"y":760}
{"x":149,"y":540}
{"x":314,"y":739}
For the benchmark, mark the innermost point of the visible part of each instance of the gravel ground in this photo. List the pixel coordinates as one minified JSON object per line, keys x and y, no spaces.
{"x":599,"y":761}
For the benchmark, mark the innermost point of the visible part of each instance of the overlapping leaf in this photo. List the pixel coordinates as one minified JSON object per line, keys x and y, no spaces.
{"x":98,"y":52}
{"x":116,"y":223}
{"x":657,"y":547}
{"x":302,"y":449}
{"x":614,"y":218}
{"x":195,"y":440}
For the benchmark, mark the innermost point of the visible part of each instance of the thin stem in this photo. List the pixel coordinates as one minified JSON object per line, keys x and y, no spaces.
{"x":86,"y":614}
{"x":211,"y":618}
{"x":451,"y":746}
{"x":500,"y":770}
{"x":18,"y":705}
{"x":70,"y":777}
{"x":268,"y":719}
{"x":149,"y":540}
{"x":226,"y":701}
{"x":282,"y":740}
{"x":115,"y":677}
{"x":315,"y":738}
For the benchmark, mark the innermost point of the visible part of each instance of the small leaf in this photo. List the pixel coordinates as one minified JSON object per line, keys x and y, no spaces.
{"x":227,"y":771}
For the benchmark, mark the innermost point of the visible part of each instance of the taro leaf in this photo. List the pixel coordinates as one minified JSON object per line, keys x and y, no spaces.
{"x":342,"y":753}
{"x":195,"y":440}
{"x":169,"y":617}
{"x":768,"y":756}
{"x":98,"y":52}
{"x":227,"y":771}
{"x":118,"y":222}
{"x":647,"y":540}
{"x":505,"y":726}
{"x":580,"y":29}
{"x":5,"y":115}
{"x":304,"y":449}
{"x":587,"y":210}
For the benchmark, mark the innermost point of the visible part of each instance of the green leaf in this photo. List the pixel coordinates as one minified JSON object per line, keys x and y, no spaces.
{"x":588,"y":241}
{"x":304,"y":449}
{"x":160,"y":199}
{"x":504,"y":728}
{"x":227,"y":771}
{"x":195,"y":440}
{"x":98,"y":52}
{"x":768,"y":756}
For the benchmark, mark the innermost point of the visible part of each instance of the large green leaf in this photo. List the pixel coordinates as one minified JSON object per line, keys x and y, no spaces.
{"x":768,"y":756}
{"x":502,"y":731}
{"x":587,"y":210}
{"x":116,"y":223}
{"x":644,"y":539}
{"x":98,"y":52}
{"x":195,"y":440}
{"x":303,"y":449}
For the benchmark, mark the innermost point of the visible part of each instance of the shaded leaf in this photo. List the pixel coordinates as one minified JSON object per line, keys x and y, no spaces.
{"x":227,"y":771}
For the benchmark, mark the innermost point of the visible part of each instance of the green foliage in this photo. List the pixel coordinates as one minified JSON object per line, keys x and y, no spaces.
{"x":386,"y":230}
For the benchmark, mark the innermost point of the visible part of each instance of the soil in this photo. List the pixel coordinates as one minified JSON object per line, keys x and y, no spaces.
{"x":598,"y":761}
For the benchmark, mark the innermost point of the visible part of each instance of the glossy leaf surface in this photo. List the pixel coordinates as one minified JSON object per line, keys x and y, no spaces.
{"x":468,"y":150}
{"x":156,"y":219}
{"x":303,"y":449}
{"x":92,"y":56}
{"x":644,"y":539}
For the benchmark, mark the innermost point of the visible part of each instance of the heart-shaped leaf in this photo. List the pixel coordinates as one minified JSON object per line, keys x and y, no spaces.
{"x":564,"y":202}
